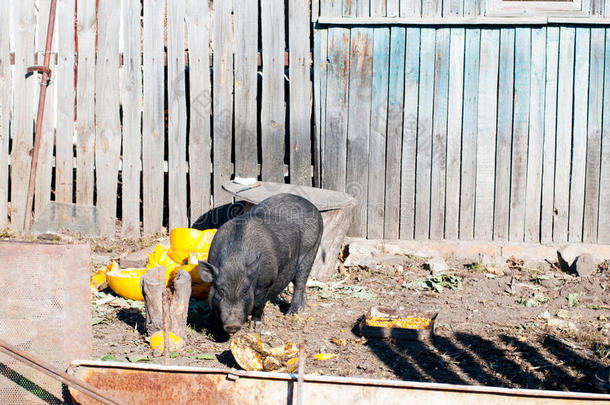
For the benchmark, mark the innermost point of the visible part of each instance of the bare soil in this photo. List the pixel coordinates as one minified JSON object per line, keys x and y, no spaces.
{"x":512,"y":327}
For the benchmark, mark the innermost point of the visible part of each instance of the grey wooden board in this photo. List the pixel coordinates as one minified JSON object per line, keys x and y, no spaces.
{"x":550,"y":120}
{"x":486,"y":133}
{"x":300,"y":92}
{"x":579,"y":134}
{"x":410,"y":8}
{"x":520,"y":133}
{"x":23,"y":99}
{"x":432,"y":8}
{"x":246,"y":42}
{"x":359,"y":121}
{"x":469,"y":133}
{"x":42,"y":193}
{"x":5,"y":111}
{"x":564,"y":133}
{"x":153,"y":132}
{"x":424,"y":134}
{"x":319,"y":92}
{"x":85,"y":108}
{"x":409,"y":143}
{"x":324,"y":200}
{"x":273,"y":122}
{"x":604,"y":180}
{"x":393,"y":8}
{"x":222,"y":45}
{"x":199,"y":137}
{"x":505,"y":132}
{"x":394,"y":134}
{"x":348,"y":8}
{"x":454,"y":133}
{"x":378,"y":133}
{"x":594,"y":138}
{"x":335,"y":128}
{"x":131,"y":100}
{"x":439,"y":134}
{"x":363,"y":8}
{"x":107,"y":120}
{"x":176,"y":103}
{"x":536,"y":136}
{"x":64,"y":81}
{"x":453,"y":8}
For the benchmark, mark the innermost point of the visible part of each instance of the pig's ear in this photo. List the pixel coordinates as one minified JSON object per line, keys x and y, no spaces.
{"x":208,"y":272}
{"x":253,"y":268}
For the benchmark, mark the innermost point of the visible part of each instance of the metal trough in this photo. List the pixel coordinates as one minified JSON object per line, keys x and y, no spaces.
{"x":159,"y":384}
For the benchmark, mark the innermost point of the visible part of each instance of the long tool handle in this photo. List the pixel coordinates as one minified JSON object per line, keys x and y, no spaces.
{"x":56,"y":373}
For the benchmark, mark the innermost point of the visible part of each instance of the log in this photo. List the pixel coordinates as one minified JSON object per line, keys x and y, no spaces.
{"x":153,"y":285}
{"x":179,"y":304}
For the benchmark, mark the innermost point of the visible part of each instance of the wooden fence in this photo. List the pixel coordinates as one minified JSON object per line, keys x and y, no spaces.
{"x":454,"y":128}
{"x":163,"y":91}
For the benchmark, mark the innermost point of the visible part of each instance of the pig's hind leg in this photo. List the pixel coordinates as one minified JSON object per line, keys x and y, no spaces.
{"x":300,"y":280}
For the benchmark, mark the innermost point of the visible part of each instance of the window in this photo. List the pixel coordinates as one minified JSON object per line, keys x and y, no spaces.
{"x":537,"y":7}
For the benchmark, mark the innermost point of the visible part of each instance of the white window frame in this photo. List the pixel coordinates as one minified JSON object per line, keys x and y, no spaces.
{"x":576,"y":8}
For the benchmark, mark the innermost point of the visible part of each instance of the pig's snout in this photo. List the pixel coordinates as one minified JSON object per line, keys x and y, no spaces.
{"x":231,"y":329}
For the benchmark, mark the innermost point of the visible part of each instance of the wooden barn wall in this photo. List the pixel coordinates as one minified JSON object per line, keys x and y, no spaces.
{"x":169,"y":99}
{"x":465,"y":131}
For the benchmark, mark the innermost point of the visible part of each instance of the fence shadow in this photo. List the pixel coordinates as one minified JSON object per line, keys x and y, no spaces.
{"x":464,"y":358}
{"x":25,"y":384}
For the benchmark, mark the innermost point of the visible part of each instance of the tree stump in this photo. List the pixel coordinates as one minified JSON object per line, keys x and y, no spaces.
{"x":173,"y":318}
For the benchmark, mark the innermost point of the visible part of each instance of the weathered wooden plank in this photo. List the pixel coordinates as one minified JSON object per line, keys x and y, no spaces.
{"x":349,"y":8}
{"x":520,"y":133}
{"x":603,"y":231}
{"x":550,"y":122}
{"x":424,"y":134}
{"x":42,"y":194}
{"x":331,"y":7}
{"x":536,"y":136}
{"x":300,"y":92}
{"x":594,"y":129}
{"x":378,"y":134}
{"x":153,"y":129}
{"x":454,"y":133}
{"x":64,"y":81}
{"x":439,"y":134}
{"x":23,"y":99}
{"x":453,"y":8}
{"x":320,"y":38}
{"x":273,"y":106}
{"x":222,"y":45}
{"x":394,"y":134}
{"x":431,"y":8}
{"x":200,"y":141}
{"x":597,"y":7}
{"x":246,"y":44}
{"x":505,"y":133}
{"x":410,"y":8}
{"x":393,"y":8}
{"x":579,"y":134}
{"x":378,"y":8}
{"x":363,"y":8}
{"x":409,"y":143}
{"x":473,"y":7}
{"x":107,"y":121}
{"x":85,"y":107}
{"x":469,"y":133}
{"x":131,"y":100}
{"x":564,"y":133}
{"x":606,"y":10}
{"x":359,"y":119}
{"x":486,"y":133}
{"x":176,"y":103}
{"x":335,"y":127}
{"x":6,"y":96}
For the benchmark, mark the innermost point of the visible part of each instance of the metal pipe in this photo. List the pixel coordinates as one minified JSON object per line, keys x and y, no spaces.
{"x":53,"y":372}
{"x":301,"y":372}
{"x":44,"y":82}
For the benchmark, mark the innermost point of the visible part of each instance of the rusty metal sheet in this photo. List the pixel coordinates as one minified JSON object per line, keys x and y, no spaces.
{"x":44,"y":310}
{"x":158,"y":384}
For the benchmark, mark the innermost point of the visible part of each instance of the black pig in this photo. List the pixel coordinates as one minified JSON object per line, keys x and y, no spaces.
{"x":254,"y":256}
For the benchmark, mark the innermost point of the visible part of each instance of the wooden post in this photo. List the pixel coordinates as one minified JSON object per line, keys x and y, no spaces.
{"x":152,"y":285}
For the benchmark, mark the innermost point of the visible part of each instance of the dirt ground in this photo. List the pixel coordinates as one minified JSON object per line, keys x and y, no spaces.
{"x":512,"y":327}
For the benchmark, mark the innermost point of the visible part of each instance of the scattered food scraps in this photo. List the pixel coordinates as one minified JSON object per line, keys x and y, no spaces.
{"x":411,"y":322}
{"x":98,"y":279}
{"x":253,"y":355}
{"x":156,"y":341}
{"x":323,"y":356}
